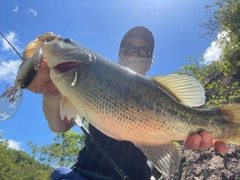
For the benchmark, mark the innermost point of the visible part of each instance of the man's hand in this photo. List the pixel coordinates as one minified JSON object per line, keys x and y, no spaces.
{"x":42,"y":83}
{"x":203,"y":141}
{"x":51,"y":99}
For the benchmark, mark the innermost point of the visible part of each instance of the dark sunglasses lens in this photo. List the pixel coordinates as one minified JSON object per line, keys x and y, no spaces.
{"x":128,"y":49}
{"x":143,"y":51}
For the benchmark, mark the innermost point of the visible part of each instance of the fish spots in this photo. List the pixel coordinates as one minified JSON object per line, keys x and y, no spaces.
{"x":137,"y":98}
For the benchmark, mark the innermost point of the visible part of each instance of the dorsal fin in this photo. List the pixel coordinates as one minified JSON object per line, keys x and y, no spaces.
{"x":185,"y":89}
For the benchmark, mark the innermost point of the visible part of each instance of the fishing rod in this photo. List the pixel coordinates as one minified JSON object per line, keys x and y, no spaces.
{"x":11,"y":45}
{"x":88,"y":134}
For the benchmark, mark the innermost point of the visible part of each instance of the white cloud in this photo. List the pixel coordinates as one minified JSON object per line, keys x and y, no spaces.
{"x":9,"y":70}
{"x":11,"y":143}
{"x":12,"y":38}
{"x":30,"y":11}
{"x":14,"y":144}
{"x":15,"y":9}
{"x":212,"y":53}
{"x":33,"y":12}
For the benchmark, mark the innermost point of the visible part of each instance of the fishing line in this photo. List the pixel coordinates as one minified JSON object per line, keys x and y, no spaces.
{"x":11,"y":45}
{"x":97,"y":158}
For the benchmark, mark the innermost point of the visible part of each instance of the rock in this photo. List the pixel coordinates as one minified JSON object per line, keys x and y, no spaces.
{"x":209,"y":164}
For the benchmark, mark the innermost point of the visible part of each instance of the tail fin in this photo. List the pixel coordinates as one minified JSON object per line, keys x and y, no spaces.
{"x":235,"y":138}
{"x":232,"y":113}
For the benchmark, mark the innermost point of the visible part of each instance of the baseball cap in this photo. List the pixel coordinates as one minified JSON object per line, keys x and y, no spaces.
{"x":141,"y":33}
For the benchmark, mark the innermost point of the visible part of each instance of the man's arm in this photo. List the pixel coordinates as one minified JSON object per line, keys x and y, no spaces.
{"x":52,"y":113}
{"x":42,"y":84}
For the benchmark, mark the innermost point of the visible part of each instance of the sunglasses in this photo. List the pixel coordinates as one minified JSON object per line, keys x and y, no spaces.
{"x":142,"y":51}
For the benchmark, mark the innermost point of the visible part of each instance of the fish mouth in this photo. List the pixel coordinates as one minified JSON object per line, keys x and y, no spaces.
{"x":68,"y":66}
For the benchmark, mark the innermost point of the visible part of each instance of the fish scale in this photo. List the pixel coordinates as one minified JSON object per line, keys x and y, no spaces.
{"x":151,"y":112}
{"x":98,"y":88}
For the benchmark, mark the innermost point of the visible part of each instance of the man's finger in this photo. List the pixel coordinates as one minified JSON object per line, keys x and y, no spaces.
{"x":207,"y":140}
{"x":221,"y":147}
{"x":193,"y":141}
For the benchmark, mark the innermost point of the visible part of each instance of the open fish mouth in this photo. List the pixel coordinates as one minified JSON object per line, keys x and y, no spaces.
{"x":68,"y":66}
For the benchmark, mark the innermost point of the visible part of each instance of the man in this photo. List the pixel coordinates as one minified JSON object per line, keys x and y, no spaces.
{"x":136,"y":53}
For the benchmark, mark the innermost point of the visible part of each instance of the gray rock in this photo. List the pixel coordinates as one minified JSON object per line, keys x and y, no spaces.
{"x":208,"y":165}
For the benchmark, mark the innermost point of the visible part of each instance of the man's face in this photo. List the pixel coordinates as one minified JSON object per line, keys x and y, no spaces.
{"x":137,"y":58}
{"x":137,"y":43}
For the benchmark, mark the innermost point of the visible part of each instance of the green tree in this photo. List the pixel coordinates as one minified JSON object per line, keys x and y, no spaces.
{"x":225,"y":20}
{"x":222,"y":15}
{"x":221,"y":78}
{"x":18,"y":165}
{"x":62,"y":152}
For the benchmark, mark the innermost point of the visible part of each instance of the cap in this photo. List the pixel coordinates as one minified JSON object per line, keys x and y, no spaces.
{"x":142,"y":33}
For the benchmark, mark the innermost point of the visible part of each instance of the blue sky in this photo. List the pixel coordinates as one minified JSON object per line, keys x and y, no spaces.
{"x":100,"y":26}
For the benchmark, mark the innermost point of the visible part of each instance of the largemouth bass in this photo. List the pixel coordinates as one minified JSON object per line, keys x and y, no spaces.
{"x":150,"y":112}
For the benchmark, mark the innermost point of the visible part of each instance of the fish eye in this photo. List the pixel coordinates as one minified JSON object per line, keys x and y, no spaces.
{"x":49,"y":39}
{"x":67,"y":40}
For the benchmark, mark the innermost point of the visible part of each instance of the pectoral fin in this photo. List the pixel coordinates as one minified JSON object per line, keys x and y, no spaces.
{"x":68,"y":109}
{"x":166,"y":157}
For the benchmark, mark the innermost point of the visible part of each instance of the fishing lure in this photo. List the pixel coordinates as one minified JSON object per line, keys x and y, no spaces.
{"x":11,"y":99}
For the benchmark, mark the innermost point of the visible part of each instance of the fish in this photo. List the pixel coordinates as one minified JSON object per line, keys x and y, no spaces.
{"x":150,"y":112}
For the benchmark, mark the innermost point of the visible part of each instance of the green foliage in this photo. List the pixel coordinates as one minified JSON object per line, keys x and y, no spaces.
{"x":62,"y":152}
{"x":225,"y":20}
{"x":18,"y":165}
{"x":228,"y":17}
{"x":222,"y":15}
{"x":220,"y":88}
{"x":177,"y":143}
{"x":201,"y":71}
{"x":221,"y":78}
